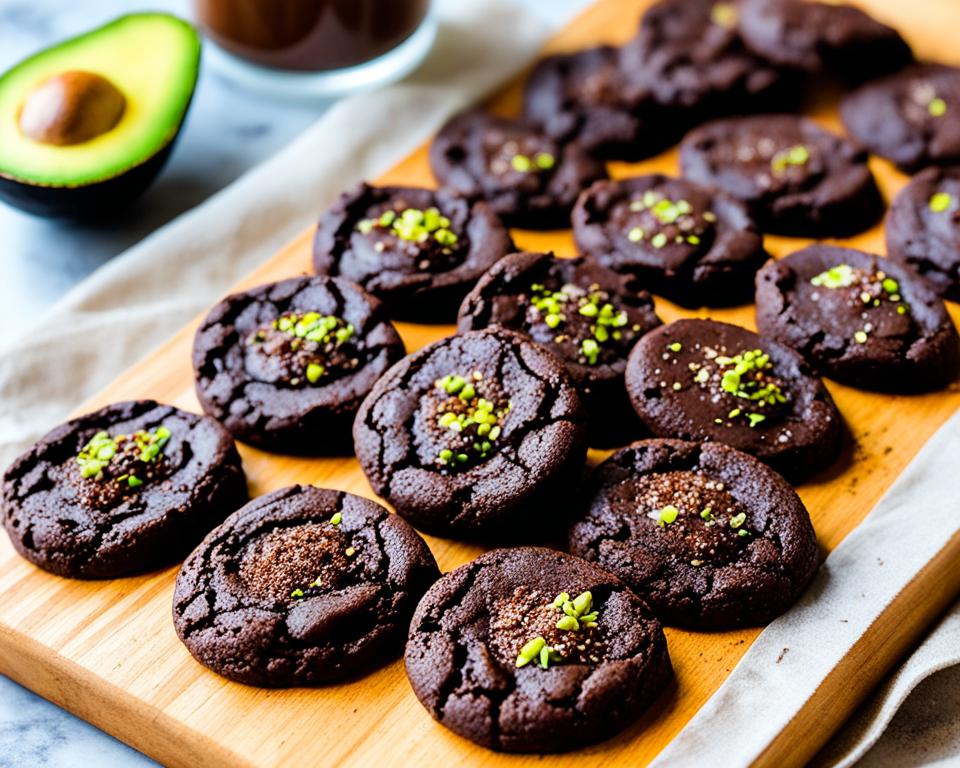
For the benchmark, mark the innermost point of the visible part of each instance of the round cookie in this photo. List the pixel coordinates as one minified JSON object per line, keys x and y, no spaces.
{"x":418,"y":250}
{"x":302,"y":586}
{"x":531,"y":650}
{"x":709,"y":536}
{"x":822,"y":37}
{"x":478,"y":436}
{"x":689,"y":55}
{"x":859,"y":318}
{"x":795,"y":177}
{"x":586,"y":97}
{"x":910,"y":118}
{"x":529,"y":179}
{"x":285,"y":366}
{"x":695,"y":245}
{"x":588,"y":316}
{"x":704,"y":380}
{"x":123,"y":490}
{"x":923,"y":228}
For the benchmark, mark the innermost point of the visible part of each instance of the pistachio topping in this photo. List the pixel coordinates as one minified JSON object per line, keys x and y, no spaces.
{"x":310,"y":339}
{"x":576,"y":615}
{"x":667,"y":220}
{"x":840,"y":276}
{"x":473,"y":422}
{"x":123,"y":452}
{"x":795,"y":156}
{"x":940,"y":202}
{"x":557,"y":310}
{"x":413,"y":225}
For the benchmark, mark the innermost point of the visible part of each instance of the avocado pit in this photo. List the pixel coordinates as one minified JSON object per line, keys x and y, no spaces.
{"x":71,"y":108}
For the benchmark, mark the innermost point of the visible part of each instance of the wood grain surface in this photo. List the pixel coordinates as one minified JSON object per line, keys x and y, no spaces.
{"x":107,"y":650}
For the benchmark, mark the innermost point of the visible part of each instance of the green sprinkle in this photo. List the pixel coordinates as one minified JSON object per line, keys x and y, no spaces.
{"x":667,"y":515}
{"x":707,"y":513}
{"x":734,"y":413}
{"x":544,"y":160}
{"x":134,"y":482}
{"x":590,"y":350}
{"x":860,"y":337}
{"x":755,"y":419}
{"x":548,"y":655}
{"x":743,"y":532}
{"x":568,"y":623}
{"x":495,"y":433}
{"x":840,"y":276}
{"x":693,"y":240}
{"x":890,"y":285}
{"x":658,"y":240}
{"x":589,"y":310}
{"x":314,"y":372}
{"x":350,"y":551}
{"x":737,"y":520}
{"x":365,"y":226}
{"x":296,"y":594}
{"x":635,"y":235}
{"x":553,"y":320}
{"x":336,"y":519}
{"x":940,"y":202}
{"x":520,"y":163}
{"x":792,"y":156}
{"x":467,"y":392}
{"x":937,"y":107}
{"x":583,"y":602}
{"x":560,"y":599}
{"x":675,"y":347}
{"x":901,"y":310}
{"x":530,"y":651}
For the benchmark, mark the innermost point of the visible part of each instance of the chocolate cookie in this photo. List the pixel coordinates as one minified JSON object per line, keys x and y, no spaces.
{"x":795,"y":177}
{"x":477,"y":435}
{"x":859,"y":318}
{"x":689,"y":55}
{"x":587,"y":97}
{"x":695,"y":245}
{"x":418,"y":250}
{"x":300,"y":587}
{"x":531,"y":650}
{"x":703,"y":380}
{"x":588,"y":316}
{"x":911,"y":118}
{"x":923,"y":228}
{"x":285,"y":366}
{"x":529,"y":179}
{"x":822,"y":37}
{"x":709,"y":536}
{"x":126,"y":489}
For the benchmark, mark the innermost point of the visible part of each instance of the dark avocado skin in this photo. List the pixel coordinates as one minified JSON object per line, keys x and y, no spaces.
{"x":91,"y":201}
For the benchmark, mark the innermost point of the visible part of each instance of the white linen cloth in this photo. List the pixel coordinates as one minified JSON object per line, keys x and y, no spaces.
{"x":140,"y":298}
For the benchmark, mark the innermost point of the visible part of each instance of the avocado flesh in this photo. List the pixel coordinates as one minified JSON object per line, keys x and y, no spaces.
{"x":152,"y":59}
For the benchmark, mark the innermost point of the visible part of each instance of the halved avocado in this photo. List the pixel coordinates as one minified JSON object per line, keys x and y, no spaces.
{"x":86,"y":125}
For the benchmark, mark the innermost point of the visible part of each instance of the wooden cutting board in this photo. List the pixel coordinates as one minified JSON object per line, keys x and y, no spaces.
{"x":107,"y":650}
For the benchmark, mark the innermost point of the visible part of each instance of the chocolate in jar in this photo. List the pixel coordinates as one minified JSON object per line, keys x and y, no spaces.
{"x":309,"y":35}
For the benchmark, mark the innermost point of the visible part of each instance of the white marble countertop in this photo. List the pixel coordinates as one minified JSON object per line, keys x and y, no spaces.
{"x":227,"y":132}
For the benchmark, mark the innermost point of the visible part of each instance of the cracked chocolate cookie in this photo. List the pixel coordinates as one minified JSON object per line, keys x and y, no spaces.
{"x":689,"y":55}
{"x":531,"y":650}
{"x":709,"y":536}
{"x":911,"y":118}
{"x":285,"y":366}
{"x":418,"y":250}
{"x":704,"y":380}
{"x":586,"y":97}
{"x":694,"y":245}
{"x":529,"y":179}
{"x":859,"y":318}
{"x":126,"y":489}
{"x":822,"y":37}
{"x":588,"y":316}
{"x":923,"y":229}
{"x":475,"y":436}
{"x":302,"y":586}
{"x":795,"y":177}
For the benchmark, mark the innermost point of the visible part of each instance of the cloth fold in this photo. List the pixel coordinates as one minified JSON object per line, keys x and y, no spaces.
{"x":140,"y":298}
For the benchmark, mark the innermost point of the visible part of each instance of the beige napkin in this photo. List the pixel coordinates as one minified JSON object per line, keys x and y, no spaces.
{"x":138,"y":300}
